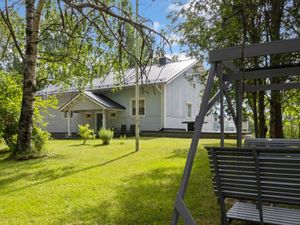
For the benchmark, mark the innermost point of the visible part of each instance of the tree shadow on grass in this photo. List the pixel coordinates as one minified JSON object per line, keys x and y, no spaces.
{"x":145,"y":198}
{"x":179,"y":153}
{"x":183,"y":152}
{"x":79,"y":144}
{"x":47,"y":175}
{"x":148,"y":198}
{"x":100,"y":145}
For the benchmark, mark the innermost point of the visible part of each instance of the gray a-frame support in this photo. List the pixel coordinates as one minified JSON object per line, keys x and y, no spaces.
{"x":239,"y":102}
{"x":220,"y":74}
{"x":180,"y":208}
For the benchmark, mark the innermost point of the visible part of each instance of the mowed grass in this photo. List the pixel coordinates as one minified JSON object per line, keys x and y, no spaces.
{"x":96,"y":184}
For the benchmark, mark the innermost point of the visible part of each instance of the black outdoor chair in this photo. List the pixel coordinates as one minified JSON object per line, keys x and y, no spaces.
{"x":123,"y":129}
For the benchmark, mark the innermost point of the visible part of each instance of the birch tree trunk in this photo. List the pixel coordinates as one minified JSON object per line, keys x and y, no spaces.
{"x":29,"y":78}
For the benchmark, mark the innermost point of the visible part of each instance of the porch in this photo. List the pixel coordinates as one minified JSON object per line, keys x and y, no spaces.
{"x":92,"y":108}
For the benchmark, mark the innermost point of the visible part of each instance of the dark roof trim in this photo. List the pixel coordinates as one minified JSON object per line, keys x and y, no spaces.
{"x":104,"y":101}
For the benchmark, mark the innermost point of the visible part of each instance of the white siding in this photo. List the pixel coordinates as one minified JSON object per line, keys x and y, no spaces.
{"x":181,"y":92}
{"x":152,"y":119}
{"x":150,"y":122}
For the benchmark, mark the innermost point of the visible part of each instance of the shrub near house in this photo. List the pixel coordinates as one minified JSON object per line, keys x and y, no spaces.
{"x":105,"y":135}
{"x":85,"y":132}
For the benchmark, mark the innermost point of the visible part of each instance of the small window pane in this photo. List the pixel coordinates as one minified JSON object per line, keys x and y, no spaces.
{"x":113,"y":115}
{"x":141,"y":107}
{"x":88,"y":115}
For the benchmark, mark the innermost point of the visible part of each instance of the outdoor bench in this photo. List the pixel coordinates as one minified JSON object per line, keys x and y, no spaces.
{"x":257,"y":177}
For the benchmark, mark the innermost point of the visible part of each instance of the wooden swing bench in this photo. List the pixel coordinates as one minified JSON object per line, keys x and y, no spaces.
{"x":258,"y":177}
{"x":276,"y":142}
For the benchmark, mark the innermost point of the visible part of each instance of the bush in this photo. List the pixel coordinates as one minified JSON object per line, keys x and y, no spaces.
{"x":39,"y":139}
{"x":37,"y":149}
{"x":105,"y":135}
{"x":12,"y":144}
{"x":85,"y":132}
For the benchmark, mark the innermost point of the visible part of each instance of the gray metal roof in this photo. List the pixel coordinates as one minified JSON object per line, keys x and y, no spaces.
{"x":154,"y":74}
{"x":99,"y":99}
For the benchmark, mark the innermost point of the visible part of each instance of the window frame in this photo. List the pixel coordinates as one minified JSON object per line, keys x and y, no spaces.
{"x":88,"y":113}
{"x":131,"y":106}
{"x":112,"y":117}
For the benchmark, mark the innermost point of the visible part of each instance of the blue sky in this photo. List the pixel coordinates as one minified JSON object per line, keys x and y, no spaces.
{"x":157,"y":11}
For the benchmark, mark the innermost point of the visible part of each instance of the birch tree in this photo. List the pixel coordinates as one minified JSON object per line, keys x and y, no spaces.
{"x":73,"y":41}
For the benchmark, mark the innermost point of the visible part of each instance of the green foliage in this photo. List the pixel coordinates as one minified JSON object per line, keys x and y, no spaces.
{"x":10,"y":105}
{"x":41,"y":109}
{"x":106,"y":135}
{"x":122,"y":139}
{"x":38,"y":145}
{"x":39,"y":139}
{"x":291,"y":116}
{"x":13,"y":143}
{"x":205,"y":25}
{"x":85,"y":132}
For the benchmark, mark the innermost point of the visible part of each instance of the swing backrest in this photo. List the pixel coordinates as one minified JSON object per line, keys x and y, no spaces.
{"x":271,"y":174}
{"x":275,"y":143}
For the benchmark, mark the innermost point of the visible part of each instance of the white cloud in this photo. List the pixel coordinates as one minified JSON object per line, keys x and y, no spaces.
{"x":174,"y":39}
{"x":176,"y":7}
{"x":156,"y":25}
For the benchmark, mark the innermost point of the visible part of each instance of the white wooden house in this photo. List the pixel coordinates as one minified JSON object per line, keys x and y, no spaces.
{"x":168,"y":97}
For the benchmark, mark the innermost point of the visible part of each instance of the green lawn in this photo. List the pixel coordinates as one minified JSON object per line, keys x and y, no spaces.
{"x":95,"y":184}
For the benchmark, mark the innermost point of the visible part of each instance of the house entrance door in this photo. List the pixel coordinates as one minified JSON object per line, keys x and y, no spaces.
{"x":99,"y":122}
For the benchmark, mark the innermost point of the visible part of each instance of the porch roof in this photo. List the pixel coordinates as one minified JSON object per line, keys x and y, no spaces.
{"x":99,"y":99}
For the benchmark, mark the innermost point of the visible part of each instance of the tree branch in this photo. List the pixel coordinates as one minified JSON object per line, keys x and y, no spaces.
{"x":104,"y":9}
{"x":7,"y":22}
{"x":5,"y":47}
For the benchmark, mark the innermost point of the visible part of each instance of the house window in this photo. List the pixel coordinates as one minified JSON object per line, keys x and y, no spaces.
{"x":141,"y":107}
{"x":88,"y":115}
{"x":112,"y":115}
{"x":189,"y":110}
{"x":65,"y":115}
